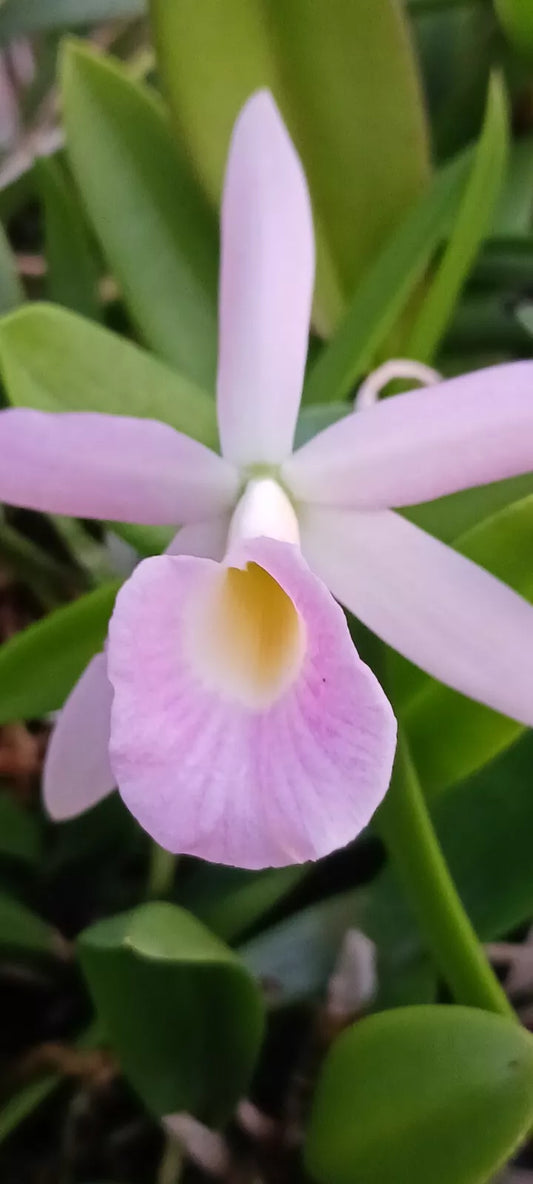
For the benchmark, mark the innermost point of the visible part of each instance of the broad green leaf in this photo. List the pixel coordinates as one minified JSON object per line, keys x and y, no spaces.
{"x":20,"y":17}
{"x":159,"y":238}
{"x":178,"y":1007}
{"x":72,"y":271}
{"x":20,"y":832}
{"x":328,"y":65}
{"x":418,"y":1094}
{"x":11,"y":290}
{"x":39,"y":666}
{"x":53,"y":360}
{"x":23,"y":932}
{"x":451,"y":736}
{"x":473,"y":221}
{"x":386,"y":289}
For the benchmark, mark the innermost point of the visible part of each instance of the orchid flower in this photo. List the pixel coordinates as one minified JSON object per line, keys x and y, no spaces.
{"x":231,"y":707}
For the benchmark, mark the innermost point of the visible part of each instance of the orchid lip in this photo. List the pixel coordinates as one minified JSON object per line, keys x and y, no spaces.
{"x":244,"y":636}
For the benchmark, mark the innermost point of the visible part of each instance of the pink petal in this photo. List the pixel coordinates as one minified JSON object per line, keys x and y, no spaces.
{"x":107,"y":466}
{"x":418,"y":446}
{"x":209,"y":770}
{"x":207,"y":539}
{"x":437,"y":608}
{"x":77,"y":773}
{"x":266,"y":287}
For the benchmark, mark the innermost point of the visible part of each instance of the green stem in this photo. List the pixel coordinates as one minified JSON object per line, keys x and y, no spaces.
{"x":406,"y":828}
{"x":171,"y":1166}
{"x":161,"y":871}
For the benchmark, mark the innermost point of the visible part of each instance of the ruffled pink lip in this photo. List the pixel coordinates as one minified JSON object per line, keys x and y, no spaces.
{"x":240,"y":783}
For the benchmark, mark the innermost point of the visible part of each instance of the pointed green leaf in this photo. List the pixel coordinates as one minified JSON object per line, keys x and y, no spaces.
{"x":39,"y":666}
{"x":53,"y":360}
{"x":23,"y":932}
{"x":72,"y":271}
{"x":386,"y":289}
{"x":417,"y":1094}
{"x":329,"y":64}
{"x":158,"y":237}
{"x":473,"y":222}
{"x":178,"y":1007}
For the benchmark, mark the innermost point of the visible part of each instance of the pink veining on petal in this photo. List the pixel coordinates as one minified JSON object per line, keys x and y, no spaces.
{"x":415,"y":447}
{"x":209,"y":775}
{"x":109,"y":466}
{"x":266,"y":288}
{"x":77,"y":773}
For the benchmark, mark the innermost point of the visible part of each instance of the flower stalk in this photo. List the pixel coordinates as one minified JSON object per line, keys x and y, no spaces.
{"x":405,"y":825}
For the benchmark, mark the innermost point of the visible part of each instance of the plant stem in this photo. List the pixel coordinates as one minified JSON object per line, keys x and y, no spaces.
{"x":407,"y":830}
{"x":171,"y":1166}
{"x":161,"y":871}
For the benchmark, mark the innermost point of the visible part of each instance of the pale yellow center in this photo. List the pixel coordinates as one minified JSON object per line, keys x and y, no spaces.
{"x":249,"y":637}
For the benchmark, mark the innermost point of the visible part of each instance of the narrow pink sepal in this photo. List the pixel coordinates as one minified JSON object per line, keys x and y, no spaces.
{"x":266,"y":288}
{"x":109,"y":466}
{"x":207,"y":775}
{"x":77,"y":773}
{"x":438,"y":609}
{"x":418,"y":446}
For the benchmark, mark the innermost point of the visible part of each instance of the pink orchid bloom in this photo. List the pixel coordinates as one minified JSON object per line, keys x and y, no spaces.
{"x":231,"y":707}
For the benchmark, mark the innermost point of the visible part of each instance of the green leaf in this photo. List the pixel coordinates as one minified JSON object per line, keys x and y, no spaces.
{"x":417,"y":1094}
{"x":386,"y":289}
{"x":516,"y":17}
{"x":230,"y":900}
{"x":39,"y":666}
{"x":482,"y":824}
{"x":485,"y":824}
{"x":22,"y":931}
{"x":451,"y":736}
{"x":72,"y":273}
{"x":20,"y":17}
{"x":341,"y":60}
{"x":514,"y":212}
{"x":53,"y":360}
{"x":158,"y":237}
{"x":178,"y":1007}
{"x":20,"y":832}
{"x":473,"y":222}
{"x":327,"y":65}
{"x":11,"y":290}
{"x":296,"y":957}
